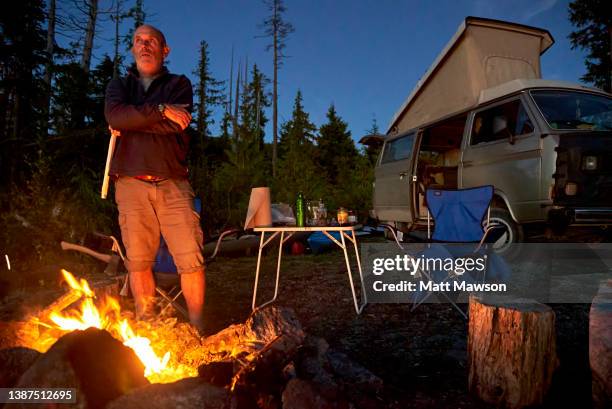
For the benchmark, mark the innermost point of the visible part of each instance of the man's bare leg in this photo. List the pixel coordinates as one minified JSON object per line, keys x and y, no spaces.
{"x":194,"y":287}
{"x":143,"y":289}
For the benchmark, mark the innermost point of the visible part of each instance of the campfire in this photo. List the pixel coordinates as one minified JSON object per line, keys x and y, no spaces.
{"x":106,"y":314}
{"x":85,"y":341}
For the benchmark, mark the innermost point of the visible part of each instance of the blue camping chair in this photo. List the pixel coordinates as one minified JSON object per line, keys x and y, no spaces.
{"x":167,"y":280}
{"x":461,"y":217}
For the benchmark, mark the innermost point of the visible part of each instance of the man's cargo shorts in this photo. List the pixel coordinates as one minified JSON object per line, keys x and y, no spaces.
{"x":148,"y":209}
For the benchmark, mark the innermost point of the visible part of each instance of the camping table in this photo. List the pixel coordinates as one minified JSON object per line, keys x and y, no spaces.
{"x":347,"y":232}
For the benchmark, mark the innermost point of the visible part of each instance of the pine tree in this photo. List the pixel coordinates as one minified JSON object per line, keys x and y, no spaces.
{"x":254,"y":100}
{"x":22,"y":88}
{"x":336,"y":149}
{"x":297,"y":170}
{"x":372,"y":150}
{"x":593,"y":20}
{"x":138,"y":15}
{"x":278,"y":29}
{"x":117,"y":17}
{"x":209,"y":94}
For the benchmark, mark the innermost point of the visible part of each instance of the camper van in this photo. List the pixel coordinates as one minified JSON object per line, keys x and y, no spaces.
{"x":482,"y":115}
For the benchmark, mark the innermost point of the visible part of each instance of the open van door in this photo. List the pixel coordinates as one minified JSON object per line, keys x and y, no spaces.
{"x":393,"y":175}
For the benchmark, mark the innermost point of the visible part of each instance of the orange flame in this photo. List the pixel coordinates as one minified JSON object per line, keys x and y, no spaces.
{"x":108,"y":316}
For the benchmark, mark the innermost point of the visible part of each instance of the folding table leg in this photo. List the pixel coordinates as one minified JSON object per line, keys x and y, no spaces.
{"x":261,"y":246}
{"x":358,"y":309}
{"x":363,"y":290}
{"x":278,"y":264}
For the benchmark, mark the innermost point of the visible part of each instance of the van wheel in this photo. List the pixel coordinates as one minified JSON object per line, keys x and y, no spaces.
{"x":512,"y":235}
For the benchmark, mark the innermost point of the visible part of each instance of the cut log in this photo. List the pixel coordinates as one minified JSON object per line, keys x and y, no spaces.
{"x":261,"y":328}
{"x":600,"y":346}
{"x":511,"y":350}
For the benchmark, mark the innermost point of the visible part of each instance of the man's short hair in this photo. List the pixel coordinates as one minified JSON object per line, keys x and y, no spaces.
{"x":157,"y":31}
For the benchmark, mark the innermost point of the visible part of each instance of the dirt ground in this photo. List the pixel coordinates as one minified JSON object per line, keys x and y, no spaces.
{"x":421,"y":355}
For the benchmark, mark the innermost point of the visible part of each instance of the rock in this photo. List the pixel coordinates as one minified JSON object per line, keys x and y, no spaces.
{"x":189,"y":393}
{"x":13,"y":363}
{"x":511,"y":350}
{"x":333,"y":373}
{"x":302,"y":394}
{"x":99,"y":366}
{"x":312,"y":361}
{"x":600,"y":346}
{"x":289,"y":371}
{"x":352,"y":373}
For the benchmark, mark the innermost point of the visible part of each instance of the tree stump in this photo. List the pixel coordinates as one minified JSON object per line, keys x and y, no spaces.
{"x":511,"y":350}
{"x":600,"y":346}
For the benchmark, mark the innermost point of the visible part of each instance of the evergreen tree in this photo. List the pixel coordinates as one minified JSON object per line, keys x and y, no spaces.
{"x":278,"y":29}
{"x":208,"y":93}
{"x":245,"y":165}
{"x":297,"y":170}
{"x":22,"y":88}
{"x":336,"y":149}
{"x":372,"y":150}
{"x":254,"y":100}
{"x":593,"y":20}
{"x":138,"y":15}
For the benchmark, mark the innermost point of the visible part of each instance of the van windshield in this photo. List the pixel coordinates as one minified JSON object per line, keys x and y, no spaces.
{"x":575,"y":110}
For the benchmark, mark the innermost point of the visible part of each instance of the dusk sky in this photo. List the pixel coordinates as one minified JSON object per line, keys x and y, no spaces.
{"x":364,"y":56}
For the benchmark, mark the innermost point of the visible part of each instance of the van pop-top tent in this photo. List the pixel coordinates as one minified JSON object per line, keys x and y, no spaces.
{"x":482,"y":54}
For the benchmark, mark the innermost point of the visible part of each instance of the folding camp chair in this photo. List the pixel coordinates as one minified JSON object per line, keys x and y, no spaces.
{"x":461,"y":218}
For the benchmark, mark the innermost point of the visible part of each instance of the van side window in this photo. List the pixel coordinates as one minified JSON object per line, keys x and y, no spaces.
{"x":501,"y":122}
{"x":398,"y":149}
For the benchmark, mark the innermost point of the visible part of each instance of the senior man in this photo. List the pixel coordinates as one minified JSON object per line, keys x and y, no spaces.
{"x":149,"y":108}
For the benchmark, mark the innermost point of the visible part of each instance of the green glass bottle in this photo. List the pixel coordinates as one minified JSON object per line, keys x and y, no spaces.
{"x":299,"y":210}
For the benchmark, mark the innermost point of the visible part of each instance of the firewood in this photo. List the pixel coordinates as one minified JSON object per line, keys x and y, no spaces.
{"x":61,"y":303}
{"x":262,"y":327}
{"x":511,"y":350}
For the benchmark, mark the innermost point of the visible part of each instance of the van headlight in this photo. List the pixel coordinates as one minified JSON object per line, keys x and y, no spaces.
{"x":589,"y":162}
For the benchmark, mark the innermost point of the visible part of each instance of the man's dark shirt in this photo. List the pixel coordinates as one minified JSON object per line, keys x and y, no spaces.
{"x":149,"y":144}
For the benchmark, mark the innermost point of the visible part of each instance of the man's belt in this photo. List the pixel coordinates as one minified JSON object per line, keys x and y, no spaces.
{"x":149,"y":178}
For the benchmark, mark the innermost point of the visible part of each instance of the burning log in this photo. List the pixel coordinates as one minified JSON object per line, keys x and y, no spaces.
{"x":60,"y":304}
{"x":13,"y":363}
{"x":511,"y":350}
{"x":261,"y":328}
{"x":100,"y":367}
{"x":191,"y":393}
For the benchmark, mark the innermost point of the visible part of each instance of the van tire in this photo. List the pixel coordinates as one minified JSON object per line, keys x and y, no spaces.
{"x":513,"y":235}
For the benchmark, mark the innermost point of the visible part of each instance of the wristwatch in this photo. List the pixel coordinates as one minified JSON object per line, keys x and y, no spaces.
{"x":162,"y":110}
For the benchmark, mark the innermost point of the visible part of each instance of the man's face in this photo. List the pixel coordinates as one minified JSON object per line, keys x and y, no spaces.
{"x":149,"y":51}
